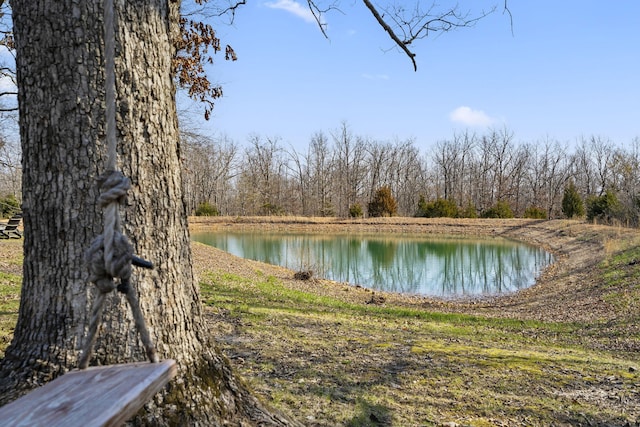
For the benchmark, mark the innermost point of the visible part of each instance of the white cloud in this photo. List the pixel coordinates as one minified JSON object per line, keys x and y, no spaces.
{"x":292,"y":7}
{"x":467,"y":116}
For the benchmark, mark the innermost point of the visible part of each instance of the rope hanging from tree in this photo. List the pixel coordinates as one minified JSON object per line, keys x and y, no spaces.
{"x":110,"y":255}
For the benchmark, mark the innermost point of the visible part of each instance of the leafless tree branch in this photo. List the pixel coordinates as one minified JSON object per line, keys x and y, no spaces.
{"x":7,"y":71}
{"x":317,"y":13}
{"x":404,"y":26}
{"x":391,"y":33}
{"x":418,"y":24}
{"x":211,"y":10}
{"x":231,"y":10}
{"x":508,"y":12}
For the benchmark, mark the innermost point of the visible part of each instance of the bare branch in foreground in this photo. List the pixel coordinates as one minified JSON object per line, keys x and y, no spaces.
{"x":391,"y":33}
{"x":406,"y":25}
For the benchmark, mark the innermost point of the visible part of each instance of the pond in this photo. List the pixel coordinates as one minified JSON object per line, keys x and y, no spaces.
{"x":445,"y":267}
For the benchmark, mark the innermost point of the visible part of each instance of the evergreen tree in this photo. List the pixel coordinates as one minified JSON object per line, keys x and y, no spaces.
{"x":605,"y":207}
{"x":572,"y":205}
{"x":383,"y":203}
{"x":355,"y":211}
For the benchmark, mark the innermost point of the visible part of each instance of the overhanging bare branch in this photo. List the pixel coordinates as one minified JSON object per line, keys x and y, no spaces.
{"x":508,"y":12}
{"x":391,"y":33}
{"x":404,"y":25}
{"x":317,"y":13}
{"x":231,"y":10}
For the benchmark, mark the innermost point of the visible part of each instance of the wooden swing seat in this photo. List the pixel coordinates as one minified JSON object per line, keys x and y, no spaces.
{"x":96,"y":396}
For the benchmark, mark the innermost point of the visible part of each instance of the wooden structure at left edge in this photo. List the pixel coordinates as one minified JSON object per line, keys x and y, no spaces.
{"x":97,"y":396}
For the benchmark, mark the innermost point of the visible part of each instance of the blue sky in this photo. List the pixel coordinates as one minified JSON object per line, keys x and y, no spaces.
{"x":566,"y":69}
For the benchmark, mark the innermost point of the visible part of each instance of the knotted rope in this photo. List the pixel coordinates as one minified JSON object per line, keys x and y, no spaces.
{"x":110,"y":255}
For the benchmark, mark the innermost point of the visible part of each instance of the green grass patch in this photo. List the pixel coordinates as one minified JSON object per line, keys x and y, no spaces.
{"x":621,"y":279}
{"x":331,"y":362}
{"x":9,"y":304}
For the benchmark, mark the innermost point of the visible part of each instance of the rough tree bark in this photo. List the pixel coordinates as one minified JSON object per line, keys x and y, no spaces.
{"x":60,"y":70}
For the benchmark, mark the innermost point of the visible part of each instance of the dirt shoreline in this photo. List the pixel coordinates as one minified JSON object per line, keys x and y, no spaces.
{"x":566,"y":291}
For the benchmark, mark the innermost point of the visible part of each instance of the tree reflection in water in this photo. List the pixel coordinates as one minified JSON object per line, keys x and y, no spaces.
{"x":426,"y":265}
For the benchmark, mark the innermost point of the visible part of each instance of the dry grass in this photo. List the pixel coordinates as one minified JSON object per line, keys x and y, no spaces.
{"x":329,"y":361}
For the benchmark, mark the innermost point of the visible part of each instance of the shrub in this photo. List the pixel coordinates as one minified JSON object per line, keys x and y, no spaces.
{"x":604,"y":207}
{"x":422,"y":207}
{"x":572,"y":205}
{"x":438,"y":208}
{"x":534,"y":212}
{"x":383,"y":203}
{"x":499,"y":210}
{"x":207,"y":209}
{"x":355,"y":211}
{"x":469,"y":212}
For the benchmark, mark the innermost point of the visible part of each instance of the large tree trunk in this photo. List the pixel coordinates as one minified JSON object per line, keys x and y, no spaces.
{"x":61,"y":79}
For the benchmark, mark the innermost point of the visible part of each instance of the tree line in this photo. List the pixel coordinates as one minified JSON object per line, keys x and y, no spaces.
{"x":340,"y":174}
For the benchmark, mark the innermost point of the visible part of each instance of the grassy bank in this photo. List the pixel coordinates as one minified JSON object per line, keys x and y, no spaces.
{"x":564,"y":353}
{"x":10,"y":282}
{"x":330,"y":362}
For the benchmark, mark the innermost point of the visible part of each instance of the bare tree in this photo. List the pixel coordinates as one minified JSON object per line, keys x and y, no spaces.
{"x":209,"y":167}
{"x":321,"y":164}
{"x":262,"y":177}
{"x":377,"y":155}
{"x":397,"y":165}
{"x":10,"y":169}
{"x":547,"y":174}
{"x":301,"y":175}
{"x":448,"y":157}
{"x":583,"y":170}
{"x":591,"y":165}
{"x":409,"y":175}
{"x":350,"y":171}
{"x":602,"y":156}
{"x":625,"y":178}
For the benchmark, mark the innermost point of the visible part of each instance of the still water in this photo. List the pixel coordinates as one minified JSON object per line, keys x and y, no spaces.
{"x":426,"y":265}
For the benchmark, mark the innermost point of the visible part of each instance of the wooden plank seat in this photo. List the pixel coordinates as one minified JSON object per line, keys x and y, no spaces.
{"x":96,"y":396}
